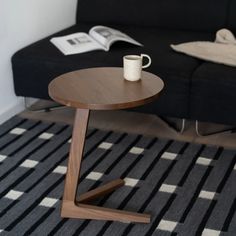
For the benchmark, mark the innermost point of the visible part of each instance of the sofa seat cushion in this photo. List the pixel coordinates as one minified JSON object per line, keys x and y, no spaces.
{"x":213,"y":93}
{"x":36,"y":65}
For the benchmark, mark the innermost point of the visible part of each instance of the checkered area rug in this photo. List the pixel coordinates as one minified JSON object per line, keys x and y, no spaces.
{"x":189,"y":189}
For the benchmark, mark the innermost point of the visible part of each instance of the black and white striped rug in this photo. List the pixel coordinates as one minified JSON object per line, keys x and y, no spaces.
{"x":190,"y":189}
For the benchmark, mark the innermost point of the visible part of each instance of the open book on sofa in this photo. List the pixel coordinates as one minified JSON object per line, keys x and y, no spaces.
{"x":98,"y":38}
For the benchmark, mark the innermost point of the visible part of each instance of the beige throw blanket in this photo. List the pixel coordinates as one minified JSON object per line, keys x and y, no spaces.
{"x":223,"y":50}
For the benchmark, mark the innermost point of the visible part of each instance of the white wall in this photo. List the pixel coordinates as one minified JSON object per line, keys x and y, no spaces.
{"x":21,"y":23}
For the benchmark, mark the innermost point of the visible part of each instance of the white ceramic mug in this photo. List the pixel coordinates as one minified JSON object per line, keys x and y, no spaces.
{"x":133,"y":65}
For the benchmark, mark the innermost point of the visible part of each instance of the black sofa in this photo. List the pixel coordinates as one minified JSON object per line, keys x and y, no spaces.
{"x":194,"y":89}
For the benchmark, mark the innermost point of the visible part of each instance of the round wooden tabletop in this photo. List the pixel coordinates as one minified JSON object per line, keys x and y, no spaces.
{"x":104,"y":88}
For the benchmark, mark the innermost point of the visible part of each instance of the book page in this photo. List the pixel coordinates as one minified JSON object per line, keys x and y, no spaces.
{"x":106,"y":36}
{"x":76,"y":43}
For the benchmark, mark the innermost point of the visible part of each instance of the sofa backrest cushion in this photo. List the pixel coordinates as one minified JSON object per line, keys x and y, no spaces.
{"x":202,"y":15}
{"x":231,"y":24}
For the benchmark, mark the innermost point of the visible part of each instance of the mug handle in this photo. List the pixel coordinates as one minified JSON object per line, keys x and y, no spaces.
{"x":149,"y":60}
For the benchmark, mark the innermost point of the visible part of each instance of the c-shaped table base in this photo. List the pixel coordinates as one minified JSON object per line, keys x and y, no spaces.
{"x":72,"y":208}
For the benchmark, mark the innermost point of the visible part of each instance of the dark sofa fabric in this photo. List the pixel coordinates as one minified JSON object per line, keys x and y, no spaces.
{"x":193,"y":88}
{"x":200,"y":15}
{"x":39,"y":63}
{"x":231,"y":20}
{"x":213,"y":93}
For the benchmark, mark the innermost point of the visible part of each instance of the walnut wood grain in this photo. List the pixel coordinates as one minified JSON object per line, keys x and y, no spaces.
{"x":75,"y":156}
{"x":85,"y":211}
{"x":104,"y":89}
{"x":98,"y":89}
{"x":100,"y":191}
{"x":73,"y":209}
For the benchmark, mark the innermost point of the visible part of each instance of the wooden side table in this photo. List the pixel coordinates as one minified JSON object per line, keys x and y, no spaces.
{"x":98,"y":89}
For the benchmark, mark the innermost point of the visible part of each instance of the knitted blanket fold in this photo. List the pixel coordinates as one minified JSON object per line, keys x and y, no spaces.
{"x":222,"y":51}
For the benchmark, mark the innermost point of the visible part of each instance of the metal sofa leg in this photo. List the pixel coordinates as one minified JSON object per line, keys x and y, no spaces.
{"x":173,"y":126}
{"x":44,"y":109}
{"x":231,"y":130}
{"x":182,"y":126}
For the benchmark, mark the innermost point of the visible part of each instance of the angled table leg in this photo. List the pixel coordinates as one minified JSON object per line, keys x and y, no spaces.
{"x":100,"y":191}
{"x":78,"y":209}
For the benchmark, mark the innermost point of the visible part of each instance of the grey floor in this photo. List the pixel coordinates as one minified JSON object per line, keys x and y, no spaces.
{"x":132,"y":122}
